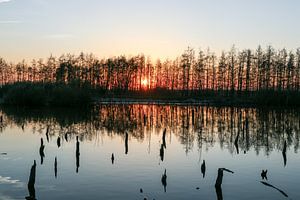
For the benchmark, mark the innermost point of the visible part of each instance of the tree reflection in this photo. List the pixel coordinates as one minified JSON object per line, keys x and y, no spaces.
{"x":77,"y":154}
{"x":235,"y":129}
{"x":31,"y":182}
{"x":41,"y":151}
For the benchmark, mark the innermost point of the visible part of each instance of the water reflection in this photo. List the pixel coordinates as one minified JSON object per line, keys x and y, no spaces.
{"x":58,"y":142}
{"x":112,"y":158}
{"x":162,"y":152}
{"x":126,"y":143}
{"x":236,"y":142}
{"x":77,"y":154}
{"x":164,"y":138}
{"x":164,"y":180}
{"x":272,"y":186}
{"x":42,"y":154}
{"x":284,"y":154}
{"x":203,"y":168}
{"x":47,"y":134}
{"x":236,"y":129}
{"x":219,"y":180}
{"x":264,"y":174}
{"x":66,"y":137}
{"x":55,"y":167}
{"x":31,"y":183}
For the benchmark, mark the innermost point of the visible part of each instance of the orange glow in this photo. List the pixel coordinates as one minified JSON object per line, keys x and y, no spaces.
{"x":145,"y":83}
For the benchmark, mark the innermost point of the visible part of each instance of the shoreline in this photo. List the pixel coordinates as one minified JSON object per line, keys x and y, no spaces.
{"x":186,"y":102}
{"x":162,"y":102}
{"x":63,"y":95}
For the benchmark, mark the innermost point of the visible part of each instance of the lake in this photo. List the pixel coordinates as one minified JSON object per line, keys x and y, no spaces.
{"x":158,"y":153}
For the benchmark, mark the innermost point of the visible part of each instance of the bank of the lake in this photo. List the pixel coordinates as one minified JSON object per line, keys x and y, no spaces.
{"x":81,"y":95}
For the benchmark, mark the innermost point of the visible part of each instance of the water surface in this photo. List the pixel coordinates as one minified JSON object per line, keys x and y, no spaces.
{"x":244,"y":140}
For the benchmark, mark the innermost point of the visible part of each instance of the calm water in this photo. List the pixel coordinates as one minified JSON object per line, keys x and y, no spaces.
{"x":244,"y":140}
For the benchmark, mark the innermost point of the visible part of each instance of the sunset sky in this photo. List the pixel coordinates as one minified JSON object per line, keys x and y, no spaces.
{"x":158,"y":28}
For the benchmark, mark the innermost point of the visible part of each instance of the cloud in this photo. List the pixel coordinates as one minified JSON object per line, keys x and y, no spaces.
{"x":4,"y":1}
{"x":59,"y":36}
{"x":10,"y":21}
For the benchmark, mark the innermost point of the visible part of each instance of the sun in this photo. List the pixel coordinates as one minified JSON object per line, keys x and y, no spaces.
{"x":145,"y":83}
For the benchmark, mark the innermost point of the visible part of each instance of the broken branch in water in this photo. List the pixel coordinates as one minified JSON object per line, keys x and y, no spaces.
{"x":279,"y":190}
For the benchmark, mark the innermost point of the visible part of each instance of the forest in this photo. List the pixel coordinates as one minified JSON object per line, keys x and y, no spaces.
{"x":257,"y":77}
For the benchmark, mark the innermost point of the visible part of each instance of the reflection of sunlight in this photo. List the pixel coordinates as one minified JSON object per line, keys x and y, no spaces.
{"x":8,"y":180}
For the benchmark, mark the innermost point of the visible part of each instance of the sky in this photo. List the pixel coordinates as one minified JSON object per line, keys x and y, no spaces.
{"x":157,"y":28}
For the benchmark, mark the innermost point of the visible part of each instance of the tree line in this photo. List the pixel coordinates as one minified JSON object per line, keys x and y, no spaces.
{"x":234,"y":71}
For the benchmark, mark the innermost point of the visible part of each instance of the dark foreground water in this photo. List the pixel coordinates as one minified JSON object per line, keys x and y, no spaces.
{"x":244,"y":140}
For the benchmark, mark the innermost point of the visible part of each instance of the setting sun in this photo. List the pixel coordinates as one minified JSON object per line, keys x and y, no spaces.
{"x":145,"y":83}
